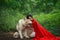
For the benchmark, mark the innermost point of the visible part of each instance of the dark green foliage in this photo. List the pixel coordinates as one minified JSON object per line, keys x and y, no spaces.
{"x":50,"y":21}
{"x":47,"y":12}
{"x":9,"y":18}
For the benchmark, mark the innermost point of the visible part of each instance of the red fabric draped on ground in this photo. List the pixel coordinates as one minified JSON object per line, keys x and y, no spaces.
{"x":58,"y":37}
{"x":41,"y":32}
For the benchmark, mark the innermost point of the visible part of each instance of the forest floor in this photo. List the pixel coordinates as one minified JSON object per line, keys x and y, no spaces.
{"x":9,"y":36}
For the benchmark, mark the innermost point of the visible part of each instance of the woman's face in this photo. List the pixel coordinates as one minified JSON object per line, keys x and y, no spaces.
{"x":30,"y":18}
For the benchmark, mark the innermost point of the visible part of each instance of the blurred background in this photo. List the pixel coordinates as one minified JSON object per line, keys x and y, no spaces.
{"x":47,"y":12}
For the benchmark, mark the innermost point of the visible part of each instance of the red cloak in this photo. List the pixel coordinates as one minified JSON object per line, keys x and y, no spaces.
{"x":41,"y":32}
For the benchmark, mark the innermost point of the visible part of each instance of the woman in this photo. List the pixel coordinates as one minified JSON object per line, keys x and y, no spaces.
{"x":40,"y":32}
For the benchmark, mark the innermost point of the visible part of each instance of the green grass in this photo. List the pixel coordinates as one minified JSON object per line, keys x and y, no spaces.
{"x":50,"y":21}
{"x":9,"y":18}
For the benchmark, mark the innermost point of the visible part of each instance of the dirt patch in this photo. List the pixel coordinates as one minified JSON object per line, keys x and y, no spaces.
{"x":9,"y":36}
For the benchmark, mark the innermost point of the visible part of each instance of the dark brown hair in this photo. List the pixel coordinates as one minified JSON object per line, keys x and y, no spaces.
{"x":29,"y":15}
